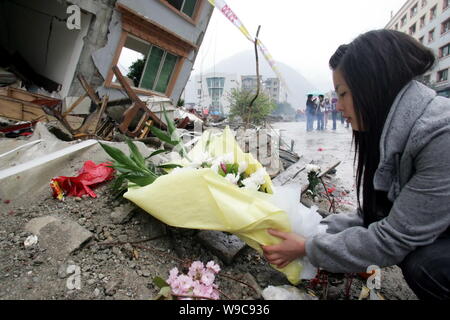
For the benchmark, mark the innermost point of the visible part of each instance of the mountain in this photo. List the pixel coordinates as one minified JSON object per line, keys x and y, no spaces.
{"x":244,"y":63}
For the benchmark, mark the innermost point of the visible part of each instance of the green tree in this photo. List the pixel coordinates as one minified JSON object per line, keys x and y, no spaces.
{"x":284,"y":108}
{"x":240,"y":106}
{"x":136,"y":70}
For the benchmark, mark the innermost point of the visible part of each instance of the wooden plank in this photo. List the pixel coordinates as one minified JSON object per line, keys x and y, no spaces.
{"x":91,"y":123}
{"x":75,"y":104}
{"x":90,"y":92}
{"x":24,"y":95}
{"x":138,"y":103}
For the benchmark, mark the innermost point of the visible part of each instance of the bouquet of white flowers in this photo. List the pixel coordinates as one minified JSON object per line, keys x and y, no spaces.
{"x":216,"y":186}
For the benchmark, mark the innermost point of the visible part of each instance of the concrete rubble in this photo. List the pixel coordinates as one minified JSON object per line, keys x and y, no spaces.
{"x":58,"y":237}
{"x":224,"y":246}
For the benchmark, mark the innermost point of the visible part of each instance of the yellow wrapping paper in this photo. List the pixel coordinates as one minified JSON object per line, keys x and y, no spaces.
{"x":202,"y":199}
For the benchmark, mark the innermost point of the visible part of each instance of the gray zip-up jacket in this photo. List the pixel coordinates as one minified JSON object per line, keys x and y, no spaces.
{"x":415,"y":171}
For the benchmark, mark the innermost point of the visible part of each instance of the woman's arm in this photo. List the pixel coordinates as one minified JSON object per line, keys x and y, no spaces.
{"x":418,"y":216}
{"x":339,"y":222}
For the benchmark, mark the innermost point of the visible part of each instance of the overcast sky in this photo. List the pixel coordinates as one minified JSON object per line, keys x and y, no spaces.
{"x":300,"y":33}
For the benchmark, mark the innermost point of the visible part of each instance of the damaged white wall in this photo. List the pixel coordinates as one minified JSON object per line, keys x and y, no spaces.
{"x":35,"y":30}
{"x":159,"y":13}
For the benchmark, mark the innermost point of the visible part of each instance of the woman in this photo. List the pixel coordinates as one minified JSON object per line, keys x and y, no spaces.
{"x":401,"y":131}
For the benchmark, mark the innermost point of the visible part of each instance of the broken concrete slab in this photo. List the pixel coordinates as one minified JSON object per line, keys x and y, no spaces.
{"x":123,"y":213}
{"x":286,"y":293}
{"x":224,"y":246}
{"x":150,"y":226}
{"x":59,"y":237}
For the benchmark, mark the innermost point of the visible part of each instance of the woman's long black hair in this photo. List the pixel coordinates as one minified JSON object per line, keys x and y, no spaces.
{"x":376,"y":66}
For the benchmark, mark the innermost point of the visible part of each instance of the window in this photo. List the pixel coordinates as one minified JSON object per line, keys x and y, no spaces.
{"x":215,"y":93}
{"x":185,"y":6}
{"x":422,"y":21}
{"x":403,"y":21}
{"x":215,"y":82}
{"x":147,"y":66}
{"x":427,"y":78}
{"x":445,"y":4}
{"x":396,"y":26}
{"x":412,"y":29}
{"x":431,"y":36}
{"x":444,"y":51}
{"x":433,"y":13}
{"x":413,"y":11}
{"x":424,"y":3}
{"x":445,"y":27}
{"x":421,"y":40}
{"x":442,"y":75}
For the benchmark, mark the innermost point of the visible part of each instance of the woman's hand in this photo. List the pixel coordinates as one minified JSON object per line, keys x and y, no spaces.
{"x":282,"y":254}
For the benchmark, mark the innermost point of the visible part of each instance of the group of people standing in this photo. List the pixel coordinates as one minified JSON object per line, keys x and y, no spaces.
{"x":319,"y":108}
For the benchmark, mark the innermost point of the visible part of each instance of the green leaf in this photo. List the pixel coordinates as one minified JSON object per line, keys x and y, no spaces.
{"x":135,"y":155}
{"x":155,"y":153}
{"x":118,"y":182}
{"x":208,"y":141}
{"x":170,"y":124}
{"x":233,"y":168}
{"x":161,"y":135}
{"x":164,"y":294}
{"x":120,"y":157}
{"x":160,"y":282}
{"x":170,"y":166}
{"x":142,"y":180}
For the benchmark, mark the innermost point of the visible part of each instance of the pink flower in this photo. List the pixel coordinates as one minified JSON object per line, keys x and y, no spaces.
{"x":196,"y":269}
{"x":208,"y":278}
{"x":182,"y":285}
{"x":173,"y":274}
{"x":202,"y":290}
{"x":213,"y":266}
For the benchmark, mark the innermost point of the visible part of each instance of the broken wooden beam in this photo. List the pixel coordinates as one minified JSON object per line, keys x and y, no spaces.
{"x":137,"y":105}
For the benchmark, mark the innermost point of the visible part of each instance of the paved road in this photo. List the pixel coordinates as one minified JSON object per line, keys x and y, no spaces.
{"x":337,"y":144}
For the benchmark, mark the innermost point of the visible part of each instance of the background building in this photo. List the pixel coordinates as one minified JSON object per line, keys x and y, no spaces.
{"x":429,"y":22}
{"x":275,"y":90}
{"x":212,"y":90}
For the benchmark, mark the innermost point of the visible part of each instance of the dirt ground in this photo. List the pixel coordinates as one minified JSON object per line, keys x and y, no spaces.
{"x":121,"y":260}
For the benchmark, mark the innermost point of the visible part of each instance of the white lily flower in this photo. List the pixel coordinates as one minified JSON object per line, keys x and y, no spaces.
{"x":228,"y":158}
{"x":215,"y":167}
{"x":259,"y":176}
{"x":250,"y":183}
{"x":202,"y":158}
{"x":242,"y":167}
{"x":232,"y":178}
{"x":183,"y":169}
{"x":312,"y":168}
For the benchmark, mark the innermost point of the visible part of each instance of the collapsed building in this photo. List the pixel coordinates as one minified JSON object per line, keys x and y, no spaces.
{"x":67,"y":50}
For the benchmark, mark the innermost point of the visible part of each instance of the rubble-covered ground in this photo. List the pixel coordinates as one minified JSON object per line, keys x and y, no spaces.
{"x":126,"y":248}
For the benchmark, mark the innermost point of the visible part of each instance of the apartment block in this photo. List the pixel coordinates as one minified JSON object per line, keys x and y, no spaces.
{"x":213,"y":89}
{"x":429,"y":22}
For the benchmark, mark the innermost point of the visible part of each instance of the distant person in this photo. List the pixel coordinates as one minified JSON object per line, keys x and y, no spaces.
{"x":327,"y":107}
{"x":320,"y":113}
{"x":401,"y":132}
{"x":334,"y":112}
{"x":310,"y":113}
